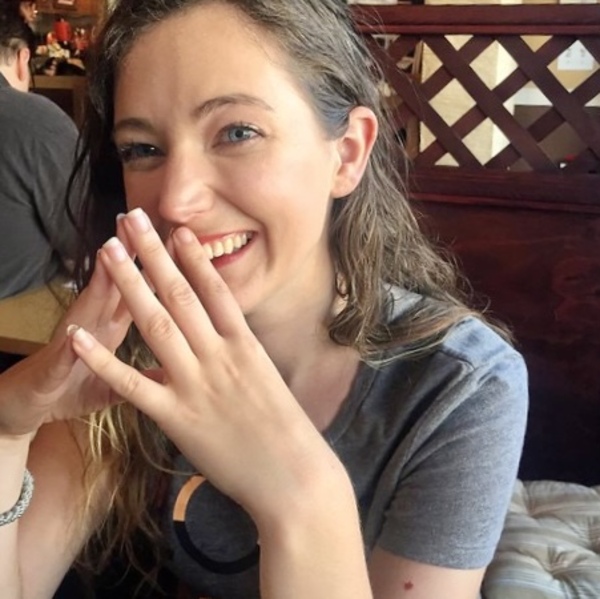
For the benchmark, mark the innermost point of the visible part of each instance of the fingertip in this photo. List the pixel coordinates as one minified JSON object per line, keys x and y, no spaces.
{"x":81,"y":339}
{"x":99,"y":268}
{"x":169,"y":244}
{"x":184,"y":236}
{"x":122,"y":234}
{"x":71,"y":329}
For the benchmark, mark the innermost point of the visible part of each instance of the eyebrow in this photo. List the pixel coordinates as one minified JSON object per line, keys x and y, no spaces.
{"x":199,"y":112}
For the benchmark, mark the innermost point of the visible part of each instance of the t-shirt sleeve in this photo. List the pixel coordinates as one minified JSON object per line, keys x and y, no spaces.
{"x":451,"y":500}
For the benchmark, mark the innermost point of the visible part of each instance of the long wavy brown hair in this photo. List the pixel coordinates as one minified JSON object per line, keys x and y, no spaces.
{"x":375,"y":240}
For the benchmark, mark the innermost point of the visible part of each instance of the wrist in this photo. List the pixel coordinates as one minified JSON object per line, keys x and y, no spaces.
{"x":18,"y":509}
{"x":13,"y":460}
{"x":314,"y":548}
{"x":15,"y":444}
{"x":325,"y":497}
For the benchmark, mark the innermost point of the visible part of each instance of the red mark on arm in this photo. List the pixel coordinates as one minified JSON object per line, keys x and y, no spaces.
{"x":408,"y":585}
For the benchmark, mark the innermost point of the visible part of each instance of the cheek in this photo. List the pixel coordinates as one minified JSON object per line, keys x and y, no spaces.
{"x":140,"y":192}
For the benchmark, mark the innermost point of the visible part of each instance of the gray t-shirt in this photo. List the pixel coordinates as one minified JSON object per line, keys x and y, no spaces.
{"x":37,"y":146}
{"x":431,"y":444}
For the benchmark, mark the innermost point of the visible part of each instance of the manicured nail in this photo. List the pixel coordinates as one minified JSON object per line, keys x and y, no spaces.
{"x":139,"y":220}
{"x":82,"y":339}
{"x":115,"y":250}
{"x":121,"y":216}
{"x":184,"y":235}
{"x":71,"y":329}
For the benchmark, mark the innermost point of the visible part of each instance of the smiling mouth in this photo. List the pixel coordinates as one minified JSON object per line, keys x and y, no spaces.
{"x":226,"y":245}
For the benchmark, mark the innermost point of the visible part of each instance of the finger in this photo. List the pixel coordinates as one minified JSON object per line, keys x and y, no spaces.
{"x":57,"y":369}
{"x":156,"y":325}
{"x":100,"y":308}
{"x":173,"y":289}
{"x":126,"y":382}
{"x":123,"y":237}
{"x":215,"y":295}
{"x":99,"y":296}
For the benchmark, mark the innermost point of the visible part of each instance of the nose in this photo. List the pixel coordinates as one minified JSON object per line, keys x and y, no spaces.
{"x":186,"y":188}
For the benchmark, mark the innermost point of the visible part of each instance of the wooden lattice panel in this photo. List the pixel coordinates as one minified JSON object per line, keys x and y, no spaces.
{"x":411,"y":31}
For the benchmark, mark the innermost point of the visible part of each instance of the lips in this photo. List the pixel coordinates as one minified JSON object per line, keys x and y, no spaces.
{"x":227,"y":245}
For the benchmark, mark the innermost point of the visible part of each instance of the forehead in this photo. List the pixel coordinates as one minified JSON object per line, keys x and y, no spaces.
{"x":210,"y":32}
{"x":207,"y":49}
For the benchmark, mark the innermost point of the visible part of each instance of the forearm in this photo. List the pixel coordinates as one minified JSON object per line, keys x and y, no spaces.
{"x":315,"y":550}
{"x":13,"y":458}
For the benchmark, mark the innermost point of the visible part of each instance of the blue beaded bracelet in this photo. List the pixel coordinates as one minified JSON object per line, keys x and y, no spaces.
{"x":22,"y":503}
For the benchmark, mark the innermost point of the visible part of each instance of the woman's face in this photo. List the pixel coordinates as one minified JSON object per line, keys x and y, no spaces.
{"x":214,"y":134}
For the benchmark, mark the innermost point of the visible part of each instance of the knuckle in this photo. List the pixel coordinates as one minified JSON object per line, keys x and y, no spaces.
{"x":57,"y":372}
{"x":160,"y":327}
{"x":103,"y":363}
{"x":132,"y":279}
{"x":153,"y":247}
{"x":218,"y":287}
{"x":181,"y":294}
{"x":129,"y":384}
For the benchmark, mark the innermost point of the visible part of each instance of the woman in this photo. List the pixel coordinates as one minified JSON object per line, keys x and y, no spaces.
{"x":318,"y":414}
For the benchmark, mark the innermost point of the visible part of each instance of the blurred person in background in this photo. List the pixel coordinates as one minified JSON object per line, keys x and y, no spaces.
{"x":26,"y":8}
{"x":28,"y":11}
{"x":37,"y":146}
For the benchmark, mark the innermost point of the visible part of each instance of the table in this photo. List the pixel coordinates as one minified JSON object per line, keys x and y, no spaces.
{"x":28,"y":320}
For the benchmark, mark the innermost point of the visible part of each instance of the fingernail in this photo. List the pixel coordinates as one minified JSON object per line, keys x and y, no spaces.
{"x":121,"y":216}
{"x":71,"y":329}
{"x":82,"y":339}
{"x":139,"y":220}
{"x":115,"y":250}
{"x":184,"y":235}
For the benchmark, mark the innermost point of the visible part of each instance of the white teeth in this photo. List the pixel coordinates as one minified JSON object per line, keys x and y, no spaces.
{"x":218,"y":249}
{"x":226,"y":246}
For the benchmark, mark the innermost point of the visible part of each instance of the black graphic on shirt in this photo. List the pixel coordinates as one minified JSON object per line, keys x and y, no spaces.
{"x":217,"y":524}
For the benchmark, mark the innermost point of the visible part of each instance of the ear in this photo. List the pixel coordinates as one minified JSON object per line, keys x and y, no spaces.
{"x":23,"y":73}
{"x":354,"y":149}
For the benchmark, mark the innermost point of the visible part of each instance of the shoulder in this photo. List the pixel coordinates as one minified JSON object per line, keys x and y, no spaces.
{"x":31,"y":112}
{"x":477,"y":346}
{"x":472,"y":366}
{"x":486,"y":377}
{"x":470,"y":344}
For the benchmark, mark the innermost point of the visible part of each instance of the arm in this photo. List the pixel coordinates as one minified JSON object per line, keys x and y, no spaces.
{"x":225,"y":406}
{"x":314,"y":548}
{"x":394,"y":577}
{"x":37,"y":550}
{"x":38,"y":396}
{"x":13,"y":457}
{"x":447,"y":510}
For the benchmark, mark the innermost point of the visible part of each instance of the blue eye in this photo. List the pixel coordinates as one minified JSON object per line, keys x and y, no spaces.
{"x":137,"y":151}
{"x":239,"y":133}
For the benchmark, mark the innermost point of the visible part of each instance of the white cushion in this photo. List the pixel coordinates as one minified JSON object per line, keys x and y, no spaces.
{"x":550,"y":545}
